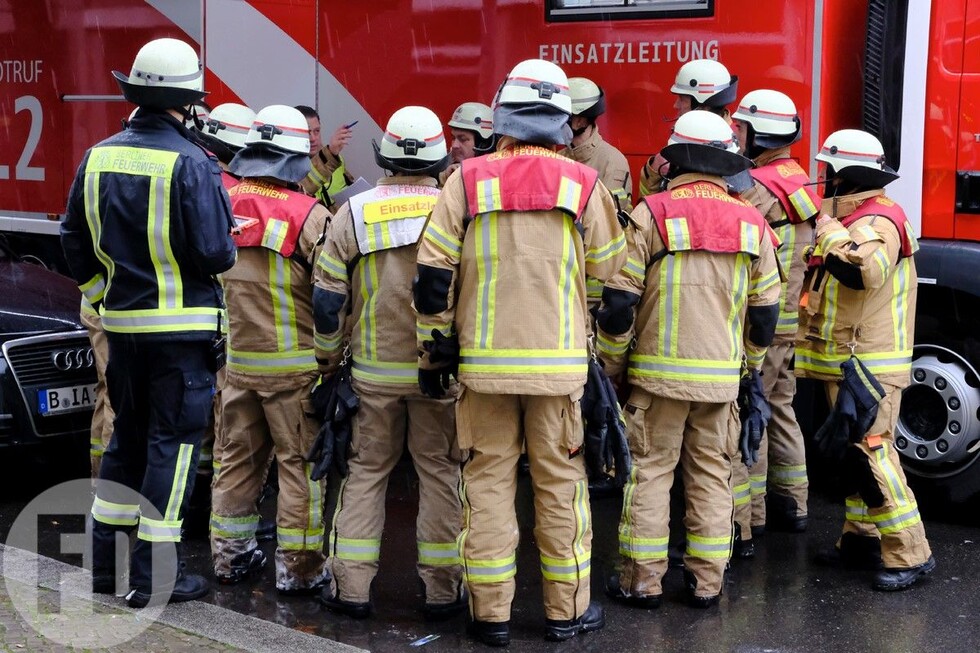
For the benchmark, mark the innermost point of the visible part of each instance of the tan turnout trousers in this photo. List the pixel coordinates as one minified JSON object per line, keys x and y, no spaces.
{"x":896,"y":521}
{"x":494,"y":427}
{"x":254,"y":425}
{"x":702,"y":438}
{"x":102,"y":415}
{"x":384,"y":422}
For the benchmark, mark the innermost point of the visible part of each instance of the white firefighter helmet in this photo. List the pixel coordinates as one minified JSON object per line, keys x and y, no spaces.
{"x":772,"y":117}
{"x":414,"y":142}
{"x":474,"y":116}
{"x":230,"y":123}
{"x":856,"y":156}
{"x":707,"y":82}
{"x":588,"y":100}
{"x":280,"y":126}
{"x":536,"y":81}
{"x":704,"y":142}
{"x":166,"y":74}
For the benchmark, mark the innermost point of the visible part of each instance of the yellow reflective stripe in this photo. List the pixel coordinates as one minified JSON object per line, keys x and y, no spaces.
{"x":897,"y":520}
{"x":742,"y":493}
{"x":184,"y":455}
{"x":569,"y":194}
{"x":93,"y":289}
{"x":755,"y":358}
{"x":448,"y":243}
{"x":607,"y":251}
{"x":423,"y":331}
{"x":895,"y":485}
{"x":857,"y":511}
{"x":93,"y":218}
{"x":900,"y":305}
{"x":913,"y":241}
{"x":332,"y":266}
{"x":275,"y":234}
{"x":757,"y":287}
{"x":272,"y":362}
{"x":170,"y":287}
{"x":833,"y":239}
{"x":669,"y":304}
{"x":803,"y":204}
{"x":881,"y":259}
{"x":161,"y":320}
{"x":518,"y":361}
{"x":300,"y":539}
{"x":315,"y":176}
{"x":95,"y":447}
{"x":488,"y":195}
{"x":326,"y":344}
{"x":877,"y":363}
{"x":788,"y":306}
{"x":385,"y":372}
{"x":115,"y":514}
{"x":283,"y":303}
{"x":583,"y":559}
{"x":369,"y":295}
{"x":740,"y":287}
{"x":757,"y":483}
{"x":788,"y":474}
{"x":643,"y":548}
{"x":678,"y":235}
{"x":749,"y":234}
{"x":699,"y":546}
{"x":156,"y":530}
{"x":490,"y":571}
{"x":830,"y":299}
{"x":684,"y":369}
{"x":607,"y":346}
{"x":439,"y":554}
{"x":567,"y":275}
{"x":593,"y":288}
{"x":485,"y":245}
{"x":868,"y":233}
{"x":234,"y":528}
{"x":635,"y":269}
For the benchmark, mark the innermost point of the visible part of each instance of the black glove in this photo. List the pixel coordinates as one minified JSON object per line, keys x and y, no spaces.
{"x":343,"y":421}
{"x":322,"y":452}
{"x":606,"y":446}
{"x":862,"y":390}
{"x":332,"y":444}
{"x":443,"y":349}
{"x":434,"y":383}
{"x":755,"y":413}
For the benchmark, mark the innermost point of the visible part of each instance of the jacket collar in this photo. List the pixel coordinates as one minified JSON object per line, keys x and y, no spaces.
{"x":691,"y":177}
{"x":769,"y":156}
{"x":844,"y":205}
{"x":409,"y":180}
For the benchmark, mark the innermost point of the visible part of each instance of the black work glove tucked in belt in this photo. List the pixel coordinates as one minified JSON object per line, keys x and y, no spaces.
{"x":444,"y":354}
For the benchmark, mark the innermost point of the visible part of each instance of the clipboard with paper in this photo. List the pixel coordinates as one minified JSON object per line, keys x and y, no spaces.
{"x":359,"y":186}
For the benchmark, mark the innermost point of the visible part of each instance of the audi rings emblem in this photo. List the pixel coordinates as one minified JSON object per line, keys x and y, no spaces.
{"x":73,"y":359}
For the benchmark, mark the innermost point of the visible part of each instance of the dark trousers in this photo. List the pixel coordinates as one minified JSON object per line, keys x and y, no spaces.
{"x":162,"y":393}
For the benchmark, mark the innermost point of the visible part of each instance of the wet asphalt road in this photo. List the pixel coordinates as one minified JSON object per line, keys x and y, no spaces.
{"x":777,"y":602}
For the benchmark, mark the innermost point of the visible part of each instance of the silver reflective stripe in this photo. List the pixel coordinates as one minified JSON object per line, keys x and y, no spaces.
{"x":516,"y":360}
{"x":246,"y":529}
{"x":407,"y":372}
{"x":274,"y":234}
{"x":110,"y":320}
{"x":451,"y":246}
{"x":633,"y":547}
{"x":490,"y":571}
{"x":279,"y":289}
{"x":566,"y":298}
{"x":670,"y":270}
{"x":912,"y":513}
{"x":431,"y":552}
{"x":700,"y":547}
{"x":567,"y":569}
{"x":684,"y":369}
{"x":488,"y":275}
{"x":367,"y":311}
{"x":160,"y":243}
{"x":357,"y":548}
{"x":304,"y":357}
{"x":902,"y":281}
{"x":158,"y":531}
{"x":287,"y":538}
{"x":677,"y":227}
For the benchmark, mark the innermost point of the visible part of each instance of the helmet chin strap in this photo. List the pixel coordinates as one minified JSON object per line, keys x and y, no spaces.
{"x":190,"y":113}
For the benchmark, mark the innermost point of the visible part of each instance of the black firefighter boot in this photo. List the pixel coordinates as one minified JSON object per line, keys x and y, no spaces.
{"x":782,"y":514}
{"x":110,"y":546}
{"x":157,"y":574}
{"x":742,"y":548}
{"x":853,"y":551}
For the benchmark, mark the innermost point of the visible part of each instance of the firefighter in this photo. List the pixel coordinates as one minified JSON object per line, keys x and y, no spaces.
{"x":265,"y":404}
{"x":700,"y":84}
{"x":368,"y":262}
{"x":588,"y":147}
{"x":147,"y":226}
{"x":698,"y":295}
{"x":514,"y":235}
{"x":767,"y":124}
{"x":861,"y":302}
{"x":328,"y":172}
{"x":471,"y":127}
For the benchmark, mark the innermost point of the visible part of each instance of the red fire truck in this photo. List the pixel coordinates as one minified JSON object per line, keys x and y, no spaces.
{"x":907,"y":71}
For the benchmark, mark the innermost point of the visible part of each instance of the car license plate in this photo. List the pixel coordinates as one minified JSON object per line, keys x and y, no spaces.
{"x":64,"y":400}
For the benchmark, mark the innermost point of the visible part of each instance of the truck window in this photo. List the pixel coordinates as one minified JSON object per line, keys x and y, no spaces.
{"x":568,"y":10}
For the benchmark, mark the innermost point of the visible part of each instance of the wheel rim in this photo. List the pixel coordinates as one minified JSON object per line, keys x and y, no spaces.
{"x":938,"y":432}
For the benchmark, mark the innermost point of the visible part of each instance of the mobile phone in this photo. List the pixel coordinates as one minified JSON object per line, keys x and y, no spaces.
{"x":351,"y":125}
